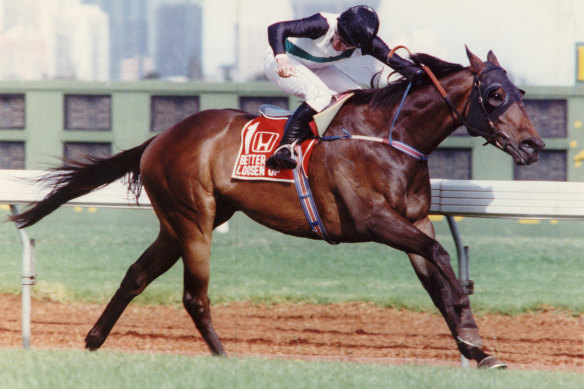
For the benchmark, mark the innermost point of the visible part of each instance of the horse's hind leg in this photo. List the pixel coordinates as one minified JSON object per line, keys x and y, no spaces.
{"x":156,"y":260}
{"x":196,"y":255}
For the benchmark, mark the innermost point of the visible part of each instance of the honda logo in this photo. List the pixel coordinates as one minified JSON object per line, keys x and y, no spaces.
{"x":264,"y":142}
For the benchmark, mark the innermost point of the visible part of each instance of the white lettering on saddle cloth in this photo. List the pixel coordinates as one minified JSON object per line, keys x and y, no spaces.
{"x":251,"y":165}
{"x":257,"y":145}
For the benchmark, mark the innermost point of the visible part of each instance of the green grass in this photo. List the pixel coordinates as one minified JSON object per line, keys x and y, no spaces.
{"x":75,"y":369}
{"x":515,"y":268}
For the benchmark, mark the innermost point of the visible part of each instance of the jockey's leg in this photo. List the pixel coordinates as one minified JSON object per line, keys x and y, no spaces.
{"x":296,"y":129}
{"x":340,"y":79}
{"x":306,"y":84}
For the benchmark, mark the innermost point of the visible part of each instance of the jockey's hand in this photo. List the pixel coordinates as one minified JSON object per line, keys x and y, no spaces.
{"x":285,"y":68}
{"x":413,"y":72}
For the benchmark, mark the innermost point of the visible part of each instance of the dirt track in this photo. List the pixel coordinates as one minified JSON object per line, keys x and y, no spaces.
{"x":347,"y":332}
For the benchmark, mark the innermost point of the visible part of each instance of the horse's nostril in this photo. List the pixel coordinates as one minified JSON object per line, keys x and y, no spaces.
{"x":532,"y":144}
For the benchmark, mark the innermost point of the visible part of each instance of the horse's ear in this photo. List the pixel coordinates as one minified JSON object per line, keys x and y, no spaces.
{"x":492,"y":58}
{"x":476,"y":63}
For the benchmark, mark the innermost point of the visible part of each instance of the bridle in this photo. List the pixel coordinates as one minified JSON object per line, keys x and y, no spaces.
{"x":479,"y":113}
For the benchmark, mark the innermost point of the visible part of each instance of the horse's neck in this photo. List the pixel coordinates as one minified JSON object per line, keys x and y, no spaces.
{"x":425,"y":129}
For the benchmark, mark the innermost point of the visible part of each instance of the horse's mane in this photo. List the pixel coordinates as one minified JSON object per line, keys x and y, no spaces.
{"x":390,"y":94}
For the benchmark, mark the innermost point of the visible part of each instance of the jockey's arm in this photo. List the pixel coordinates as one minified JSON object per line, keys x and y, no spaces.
{"x":311,"y":27}
{"x":380,"y":51}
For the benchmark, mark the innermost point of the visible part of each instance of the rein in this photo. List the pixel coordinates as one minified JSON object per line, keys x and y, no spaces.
{"x":498,"y":138}
{"x":396,"y":144}
{"x":494,"y":135}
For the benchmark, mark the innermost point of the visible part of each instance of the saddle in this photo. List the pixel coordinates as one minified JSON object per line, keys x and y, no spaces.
{"x":261,"y":135}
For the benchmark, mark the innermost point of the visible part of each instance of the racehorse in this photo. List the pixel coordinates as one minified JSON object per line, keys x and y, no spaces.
{"x":364,"y":191}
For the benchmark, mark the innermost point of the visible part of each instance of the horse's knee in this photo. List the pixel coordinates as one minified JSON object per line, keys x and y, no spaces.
{"x":439,"y":252}
{"x":135,"y":281}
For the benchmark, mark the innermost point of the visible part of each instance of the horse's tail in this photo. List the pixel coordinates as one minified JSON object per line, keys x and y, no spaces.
{"x":76,"y":178}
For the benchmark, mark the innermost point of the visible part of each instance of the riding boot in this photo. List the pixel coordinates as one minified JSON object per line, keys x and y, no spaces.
{"x":404,"y":67}
{"x":295,"y":130}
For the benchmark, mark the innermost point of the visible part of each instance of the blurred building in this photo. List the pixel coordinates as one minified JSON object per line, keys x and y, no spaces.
{"x":53,"y":39}
{"x":82,"y":46}
{"x":130,"y":57}
{"x":253,"y":19}
{"x":179,"y":40}
{"x":303,"y":8}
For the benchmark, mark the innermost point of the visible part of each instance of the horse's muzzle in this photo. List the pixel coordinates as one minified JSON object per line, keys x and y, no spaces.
{"x":528,"y":151}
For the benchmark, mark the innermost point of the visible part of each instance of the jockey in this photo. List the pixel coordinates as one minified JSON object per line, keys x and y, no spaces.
{"x":300,"y":58}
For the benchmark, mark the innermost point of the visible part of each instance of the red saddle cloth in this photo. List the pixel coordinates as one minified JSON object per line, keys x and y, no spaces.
{"x":259,"y":139}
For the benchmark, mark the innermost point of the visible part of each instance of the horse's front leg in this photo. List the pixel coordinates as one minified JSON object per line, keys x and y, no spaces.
{"x":458,"y":316}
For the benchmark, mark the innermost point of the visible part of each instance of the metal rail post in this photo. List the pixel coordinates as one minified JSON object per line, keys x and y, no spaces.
{"x":28,"y":279}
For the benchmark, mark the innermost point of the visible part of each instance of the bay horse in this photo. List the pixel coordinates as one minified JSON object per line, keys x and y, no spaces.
{"x":365,"y":191}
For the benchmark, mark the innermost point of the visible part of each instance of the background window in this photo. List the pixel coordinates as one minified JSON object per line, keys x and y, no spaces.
{"x":552,"y":166}
{"x":165,"y":111}
{"x":88,"y":112}
{"x":11,"y":155}
{"x":79,"y":151}
{"x":548,"y":116}
{"x":12,"y":111}
{"x":454,"y":164}
{"x":252,"y":104}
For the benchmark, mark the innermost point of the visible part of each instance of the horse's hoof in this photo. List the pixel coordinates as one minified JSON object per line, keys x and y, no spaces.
{"x":491,"y":362}
{"x":470,"y":337}
{"x":93,"y":341}
{"x":90,"y":347}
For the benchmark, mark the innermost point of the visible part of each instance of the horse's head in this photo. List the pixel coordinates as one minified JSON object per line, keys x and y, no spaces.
{"x":496,"y":112}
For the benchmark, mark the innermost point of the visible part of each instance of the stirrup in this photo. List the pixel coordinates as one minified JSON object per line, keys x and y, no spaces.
{"x":282,"y":161}
{"x":289,"y":146}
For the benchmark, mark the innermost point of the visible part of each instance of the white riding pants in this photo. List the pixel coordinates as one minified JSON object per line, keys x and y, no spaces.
{"x":315,"y":86}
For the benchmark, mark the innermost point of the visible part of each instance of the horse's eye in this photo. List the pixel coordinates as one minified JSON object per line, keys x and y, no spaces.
{"x":496,"y":97}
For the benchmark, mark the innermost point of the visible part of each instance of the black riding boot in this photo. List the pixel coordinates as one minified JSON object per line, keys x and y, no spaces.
{"x":296,"y":129}
{"x":404,"y":67}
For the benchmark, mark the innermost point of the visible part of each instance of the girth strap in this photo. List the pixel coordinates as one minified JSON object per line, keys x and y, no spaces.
{"x":306,"y":199}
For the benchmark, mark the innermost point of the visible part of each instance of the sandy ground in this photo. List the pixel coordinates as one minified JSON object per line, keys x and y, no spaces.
{"x":345,"y":332}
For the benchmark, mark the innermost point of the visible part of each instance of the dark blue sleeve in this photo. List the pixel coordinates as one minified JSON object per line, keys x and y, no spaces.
{"x":312,"y":27}
{"x":379,"y":50}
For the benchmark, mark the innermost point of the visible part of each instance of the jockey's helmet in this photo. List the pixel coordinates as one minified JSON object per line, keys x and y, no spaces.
{"x":358,"y":25}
